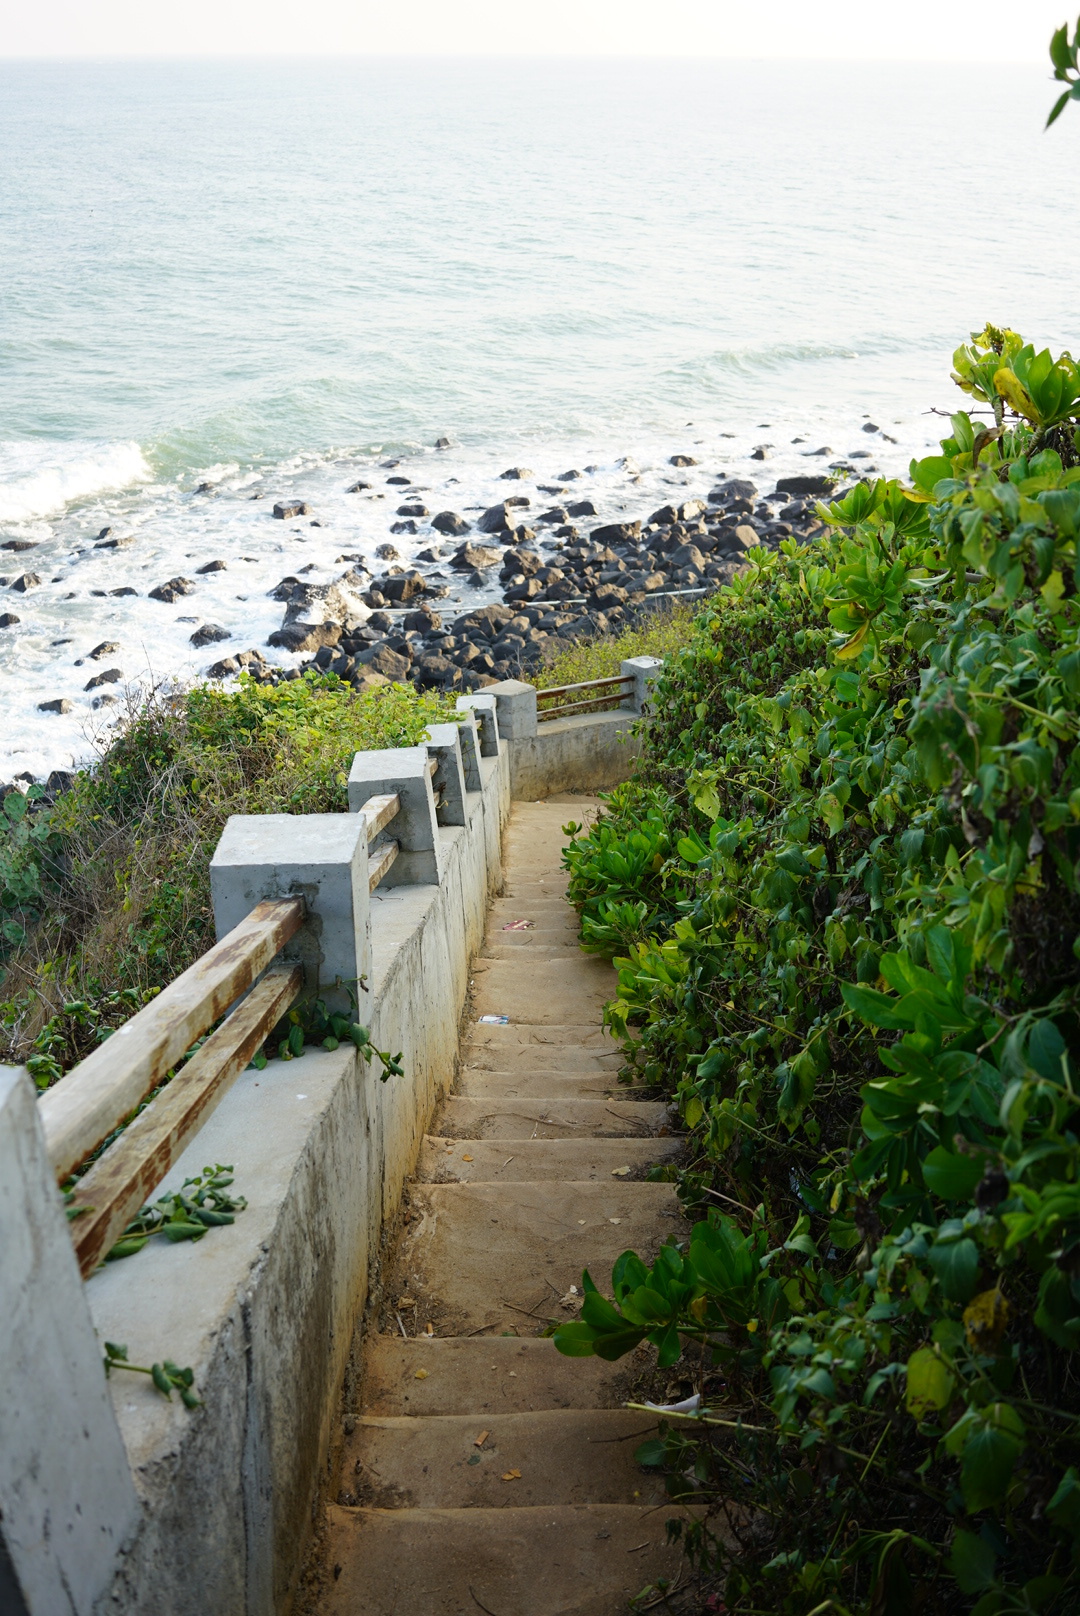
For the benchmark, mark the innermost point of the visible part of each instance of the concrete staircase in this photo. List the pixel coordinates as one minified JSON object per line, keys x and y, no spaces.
{"x":493,"y":1474}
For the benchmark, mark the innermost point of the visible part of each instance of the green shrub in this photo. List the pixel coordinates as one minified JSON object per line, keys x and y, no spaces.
{"x":107,"y":893}
{"x":842,"y":894}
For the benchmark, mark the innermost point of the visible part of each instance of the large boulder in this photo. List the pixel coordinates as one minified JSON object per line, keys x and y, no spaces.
{"x":402,"y":588}
{"x":806,"y":485}
{"x":297,"y":636}
{"x":475,"y":558}
{"x":583,"y":507}
{"x":110,"y":676}
{"x":450,"y":523}
{"x":496,"y":519}
{"x":412,"y":510}
{"x":209,"y":634}
{"x":617,"y":533}
{"x":517,"y":474}
{"x":287,"y":508}
{"x":390,"y":663}
{"x":172,"y":590}
{"x":731,"y":489}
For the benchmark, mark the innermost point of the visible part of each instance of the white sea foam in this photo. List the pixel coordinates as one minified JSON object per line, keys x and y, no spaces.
{"x":39,"y":478}
{"x":172,"y":529}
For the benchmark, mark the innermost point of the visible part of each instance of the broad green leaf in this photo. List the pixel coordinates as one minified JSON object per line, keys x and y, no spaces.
{"x":956,"y":1264}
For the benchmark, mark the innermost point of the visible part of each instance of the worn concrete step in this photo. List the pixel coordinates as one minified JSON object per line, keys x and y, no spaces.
{"x":515,"y":1059}
{"x":493,"y":1374}
{"x":546,"y":1081}
{"x":496,"y":1256}
{"x":531,"y":946}
{"x":526,"y":891}
{"x":553,"y":1560}
{"x":544,"y":992}
{"x":588,"y":1036}
{"x":474,"y":1461}
{"x":552,"y":912}
{"x":490,"y":1117}
{"x":529,"y":1161}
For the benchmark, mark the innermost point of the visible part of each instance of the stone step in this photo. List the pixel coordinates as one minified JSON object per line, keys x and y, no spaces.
{"x":501,"y":1256}
{"x":554,"y":913}
{"x":533,"y":1060}
{"x":494,"y":1374}
{"x":553,"y":1560}
{"x":530,"y":945}
{"x":552,"y":1084}
{"x":464,"y":1117}
{"x":544,"y":992}
{"x":588,"y":1036}
{"x":530,"y":1161}
{"x":486,"y":1461}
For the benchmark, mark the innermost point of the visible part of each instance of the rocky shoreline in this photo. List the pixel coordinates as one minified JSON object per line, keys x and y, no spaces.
{"x":562,"y":583}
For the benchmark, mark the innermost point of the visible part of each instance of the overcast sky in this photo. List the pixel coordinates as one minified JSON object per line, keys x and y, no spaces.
{"x":926,"y":30}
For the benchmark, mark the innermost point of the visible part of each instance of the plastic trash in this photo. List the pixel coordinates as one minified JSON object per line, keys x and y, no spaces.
{"x":496,"y":1021}
{"x":689,"y":1405}
{"x":519,"y":925}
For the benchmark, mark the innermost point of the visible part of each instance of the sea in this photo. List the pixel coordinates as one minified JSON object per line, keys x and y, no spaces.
{"x":278,"y":278}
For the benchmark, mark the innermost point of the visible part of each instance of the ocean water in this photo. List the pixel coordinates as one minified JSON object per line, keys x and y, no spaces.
{"x":275,"y":277}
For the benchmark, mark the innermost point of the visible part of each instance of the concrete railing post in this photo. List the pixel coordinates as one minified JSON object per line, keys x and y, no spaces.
{"x":67,"y":1502}
{"x":644,"y":670}
{"x":516,"y":704}
{"x":443,"y":742}
{"x":404,"y":770}
{"x":322,"y":857}
{"x":470,"y":750}
{"x":484,"y":709}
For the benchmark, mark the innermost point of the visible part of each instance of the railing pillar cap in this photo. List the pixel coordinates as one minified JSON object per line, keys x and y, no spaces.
{"x":402,"y":770}
{"x":323,"y":857}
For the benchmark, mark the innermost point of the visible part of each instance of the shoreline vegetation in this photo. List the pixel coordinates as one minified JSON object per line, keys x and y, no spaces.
{"x":842,"y":892}
{"x":104,"y":893}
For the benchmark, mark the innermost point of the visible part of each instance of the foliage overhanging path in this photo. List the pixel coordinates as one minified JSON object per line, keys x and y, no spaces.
{"x":843,"y":897}
{"x":485,"y":1471}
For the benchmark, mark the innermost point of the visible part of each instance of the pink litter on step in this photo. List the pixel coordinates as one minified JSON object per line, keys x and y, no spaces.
{"x":519,"y":925}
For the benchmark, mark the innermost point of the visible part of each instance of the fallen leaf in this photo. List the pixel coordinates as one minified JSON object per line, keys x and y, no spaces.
{"x":405,"y":1301}
{"x":511,"y":1475}
{"x":466,"y":1158}
{"x":478,"y":1441}
{"x":619,"y":1172}
{"x":614,"y":1220}
{"x":421,"y":1374}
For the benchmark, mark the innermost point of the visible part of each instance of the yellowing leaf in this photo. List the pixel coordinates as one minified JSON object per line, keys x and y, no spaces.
{"x":511,"y":1475}
{"x":985,"y":1318}
{"x":694,"y":1111}
{"x":421,"y":1374}
{"x":1007,"y":384}
{"x":930,"y":1383}
{"x":619,"y":1172}
{"x":852,"y":647}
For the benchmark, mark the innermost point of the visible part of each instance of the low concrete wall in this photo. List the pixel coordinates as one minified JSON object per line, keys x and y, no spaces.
{"x":219,"y":1519}
{"x":585,"y":752}
{"x":264,"y":1313}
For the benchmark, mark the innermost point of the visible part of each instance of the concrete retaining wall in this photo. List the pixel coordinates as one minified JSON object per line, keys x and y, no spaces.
{"x":585,"y":752}
{"x":219,"y":1518}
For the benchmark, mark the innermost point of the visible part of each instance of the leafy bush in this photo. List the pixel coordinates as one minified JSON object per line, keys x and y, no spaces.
{"x":842,"y":893}
{"x":107,"y":893}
